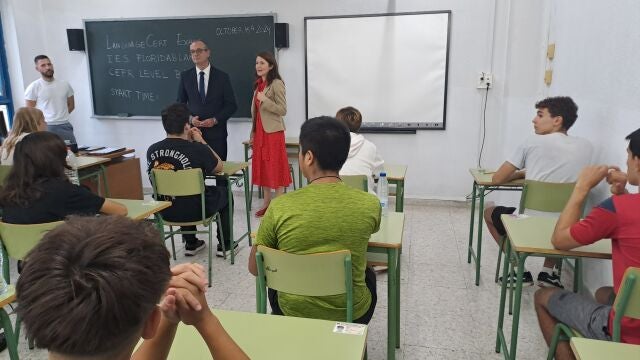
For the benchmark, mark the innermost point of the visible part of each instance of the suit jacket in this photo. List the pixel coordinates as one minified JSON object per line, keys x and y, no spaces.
{"x":272,"y":109}
{"x":219,"y":103}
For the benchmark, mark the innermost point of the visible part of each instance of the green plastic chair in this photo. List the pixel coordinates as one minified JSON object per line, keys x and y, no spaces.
{"x":4,"y":172}
{"x":184,"y":183}
{"x":539,"y":196}
{"x":19,"y":239}
{"x":356,"y":181}
{"x":627,"y":304}
{"x":17,"y":242}
{"x":320,"y":274}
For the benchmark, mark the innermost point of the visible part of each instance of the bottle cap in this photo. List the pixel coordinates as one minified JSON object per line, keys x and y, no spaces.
{"x":383,"y":174}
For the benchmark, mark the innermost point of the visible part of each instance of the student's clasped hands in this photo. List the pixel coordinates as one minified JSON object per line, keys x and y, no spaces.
{"x":184,"y":299}
{"x":591,"y":176}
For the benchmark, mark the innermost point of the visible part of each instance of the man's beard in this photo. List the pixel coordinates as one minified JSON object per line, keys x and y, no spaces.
{"x":48,"y":74}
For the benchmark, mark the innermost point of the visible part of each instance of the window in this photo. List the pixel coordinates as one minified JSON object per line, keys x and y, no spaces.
{"x":6,"y":104}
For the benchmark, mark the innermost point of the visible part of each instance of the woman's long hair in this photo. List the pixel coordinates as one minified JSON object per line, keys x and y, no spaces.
{"x":40,"y":156}
{"x":26,"y":120}
{"x":273,"y":72}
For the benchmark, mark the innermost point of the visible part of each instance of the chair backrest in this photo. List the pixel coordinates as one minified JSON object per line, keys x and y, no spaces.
{"x":545,"y":196}
{"x":627,"y":301}
{"x":4,"y":172}
{"x":177,"y":183}
{"x":19,"y":239}
{"x":318,"y":274}
{"x":356,"y":181}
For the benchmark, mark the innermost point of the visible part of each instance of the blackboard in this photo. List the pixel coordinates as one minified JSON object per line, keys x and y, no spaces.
{"x":135,"y":64}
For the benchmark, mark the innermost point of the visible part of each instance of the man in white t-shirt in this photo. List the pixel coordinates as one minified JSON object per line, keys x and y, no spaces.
{"x":551,"y":156}
{"x":54,"y":97}
{"x":363,"y":158}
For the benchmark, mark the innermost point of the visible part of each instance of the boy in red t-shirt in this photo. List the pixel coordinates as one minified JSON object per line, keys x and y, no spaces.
{"x":616,"y":218}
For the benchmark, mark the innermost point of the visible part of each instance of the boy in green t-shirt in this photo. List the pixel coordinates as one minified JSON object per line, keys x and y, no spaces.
{"x":324,"y":216}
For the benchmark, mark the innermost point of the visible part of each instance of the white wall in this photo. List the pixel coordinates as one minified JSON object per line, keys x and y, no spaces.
{"x":437,"y":160}
{"x":597,"y":47}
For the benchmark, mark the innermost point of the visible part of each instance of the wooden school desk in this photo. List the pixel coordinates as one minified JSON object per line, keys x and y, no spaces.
{"x":273,"y":337}
{"x":91,"y":167}
{"x":531,"y":236}
{"x":590,"y":349}
{"x":142,"y":209}
{"x":395,"y":175}
{"x":388,"y":241}
{"x":238,"y":173}
{"x":123,"y":175}
{"x":482,"y":185}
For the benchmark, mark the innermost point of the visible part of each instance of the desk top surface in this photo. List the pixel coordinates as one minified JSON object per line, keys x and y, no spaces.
{"x":484,"y":178}
{"x":273,"y":337}
{"x":395,"y":171}
{"x":112,"y":155}
{"x":589,"y":349}
{"x":8,"y":297}
{"x":391,"y":231}
{"x":89,"y":161}
{"x":532,"y":234}
{"x":141,"y":209}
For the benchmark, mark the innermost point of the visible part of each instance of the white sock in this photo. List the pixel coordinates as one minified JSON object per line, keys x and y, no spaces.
{"x":548,"y":270}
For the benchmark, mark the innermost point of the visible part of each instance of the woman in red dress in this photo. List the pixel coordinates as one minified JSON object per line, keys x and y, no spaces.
{"x":270,"y":166}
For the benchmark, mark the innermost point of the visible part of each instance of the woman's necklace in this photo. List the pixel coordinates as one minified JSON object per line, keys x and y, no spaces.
{"x":327,"y":176}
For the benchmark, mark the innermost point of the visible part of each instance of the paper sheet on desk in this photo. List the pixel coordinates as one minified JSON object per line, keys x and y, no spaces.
{"x":107,"y":150}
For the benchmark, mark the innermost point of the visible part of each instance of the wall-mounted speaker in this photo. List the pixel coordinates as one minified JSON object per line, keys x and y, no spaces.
{"x":75,"y":37}
{"x":282,"y":35}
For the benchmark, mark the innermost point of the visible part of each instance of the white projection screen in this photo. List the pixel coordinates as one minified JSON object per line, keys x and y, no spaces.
{"x":392,"y":67}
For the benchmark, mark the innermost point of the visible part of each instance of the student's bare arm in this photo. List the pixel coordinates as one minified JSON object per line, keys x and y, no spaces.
{"x":113,"y":208}
{"x":30,"y":103}
{"x":196,"y":135}
{"x":158,"y":346}
{"x":221,"y":345}
{"x":253,"y":267}
{"x":71,"y":104}
{"x":507,"y":172}
{"x":589,"y":177}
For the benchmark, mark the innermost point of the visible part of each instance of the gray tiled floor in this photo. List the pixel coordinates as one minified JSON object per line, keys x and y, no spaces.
{"x":444,"y":315}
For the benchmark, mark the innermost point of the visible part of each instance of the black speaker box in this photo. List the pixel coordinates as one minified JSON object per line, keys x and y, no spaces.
{"x":282,"y":35}
{"x":76,"y":39}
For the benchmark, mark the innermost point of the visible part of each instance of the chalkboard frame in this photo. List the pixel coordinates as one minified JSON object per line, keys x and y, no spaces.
{"x":375,"y":127}
{"x":153,"y":117}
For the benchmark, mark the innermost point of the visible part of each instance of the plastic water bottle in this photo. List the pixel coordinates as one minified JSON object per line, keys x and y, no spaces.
{"x":72,"y":173}
{"x":383,"y":193}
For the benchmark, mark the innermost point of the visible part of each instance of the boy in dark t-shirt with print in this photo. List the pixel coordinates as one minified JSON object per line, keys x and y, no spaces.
{"x":184,"y":148}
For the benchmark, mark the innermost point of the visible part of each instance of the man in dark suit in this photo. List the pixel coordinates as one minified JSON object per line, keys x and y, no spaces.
{"x":208,"y":93}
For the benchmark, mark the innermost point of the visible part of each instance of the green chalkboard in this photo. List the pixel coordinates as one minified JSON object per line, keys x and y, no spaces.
{"x":135,"y":64}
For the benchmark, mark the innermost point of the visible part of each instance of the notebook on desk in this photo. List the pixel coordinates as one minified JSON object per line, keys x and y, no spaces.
{"x":88,"y":148}
{"x":106,"y":150}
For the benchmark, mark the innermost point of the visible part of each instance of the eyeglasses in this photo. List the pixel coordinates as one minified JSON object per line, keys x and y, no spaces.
{"x":198,"y":51}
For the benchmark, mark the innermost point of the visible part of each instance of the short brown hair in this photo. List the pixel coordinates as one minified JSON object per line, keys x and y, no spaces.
{"x":88,"y":286}
{"x":350,"y":116}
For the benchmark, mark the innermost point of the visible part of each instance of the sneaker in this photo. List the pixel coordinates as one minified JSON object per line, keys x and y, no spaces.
{"x":193,"y":247}
{"x":260,"y":213}
{"x":547,"y":280}
{"x":527,"y":279}
{"x":219,"y":252}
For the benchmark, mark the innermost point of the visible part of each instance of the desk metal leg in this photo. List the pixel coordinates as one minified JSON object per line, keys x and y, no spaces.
{"x":232,"y":241}
{"x":516,"y":306}
{"x":500,"y":341}
{"x":12,"y":339}
{"x":473,"y":214}
{"x":479,"y":242}
{"x":247,"y":202}
{"x":400,"y":196}
{"x":399,"y":253}
{"x":392,"y":311}
{"x":103,"y":174}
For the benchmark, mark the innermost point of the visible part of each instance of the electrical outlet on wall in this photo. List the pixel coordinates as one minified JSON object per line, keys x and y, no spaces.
{"x":485,"y":80}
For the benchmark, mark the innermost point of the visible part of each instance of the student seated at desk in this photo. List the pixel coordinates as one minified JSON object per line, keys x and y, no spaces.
{"x":184,"y":148}
{"x":324,"y":216}
{"x":363,"y":158}
{"x":551,"y":156}
{"x":90,"y":289}
{"x":27,"y":120}
{"x":37,"y":189}
{"x":617,"y":218}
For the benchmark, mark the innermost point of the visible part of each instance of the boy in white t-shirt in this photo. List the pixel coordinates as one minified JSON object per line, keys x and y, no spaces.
{"x":363,"y":158}
{"x":54,"y":97}
{"x":551,"y":156}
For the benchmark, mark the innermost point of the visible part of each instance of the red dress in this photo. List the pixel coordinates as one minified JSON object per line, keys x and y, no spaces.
{"x":270,"y":165}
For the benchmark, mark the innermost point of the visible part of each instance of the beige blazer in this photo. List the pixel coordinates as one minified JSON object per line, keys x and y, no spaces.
{"x":272,"y":109}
